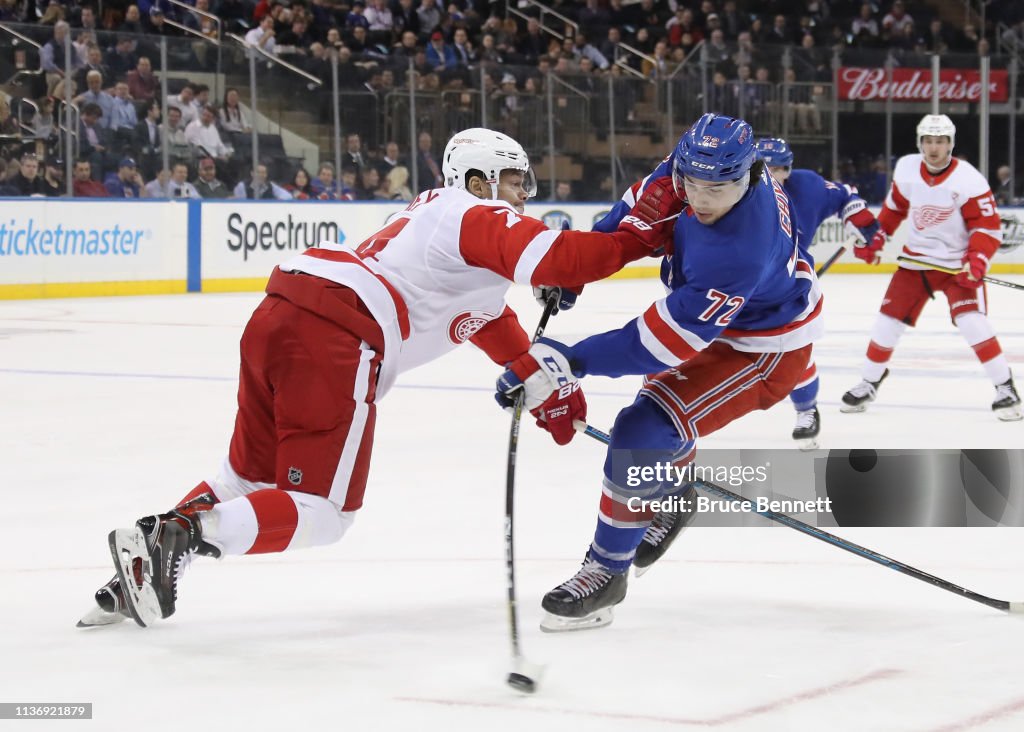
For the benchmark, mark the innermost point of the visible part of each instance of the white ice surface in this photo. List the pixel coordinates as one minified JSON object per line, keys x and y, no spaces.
{"x":114,"y":408}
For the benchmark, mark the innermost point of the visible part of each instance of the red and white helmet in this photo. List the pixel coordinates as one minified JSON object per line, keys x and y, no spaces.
{"x":936,"y":125}
{"x":489,"y":152}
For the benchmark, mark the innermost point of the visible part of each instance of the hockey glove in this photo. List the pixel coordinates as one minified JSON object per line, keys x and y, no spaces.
{"x":975,"y":267}
{"x":566,"y":298}
{"x":652,"y":218}
{"x":869,"y":251}
{"x":551,"y":392}
{"x":860,"y":222}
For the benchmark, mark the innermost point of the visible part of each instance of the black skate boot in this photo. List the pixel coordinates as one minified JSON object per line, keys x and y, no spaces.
{"x":667,"y":525}
{"x":858,"y":398}
{"x":164,"y":546}
{"x":1007,"y":404}
{"x":110,"y":606}
{"x":585,"y":600}
{"x":808,"y":425}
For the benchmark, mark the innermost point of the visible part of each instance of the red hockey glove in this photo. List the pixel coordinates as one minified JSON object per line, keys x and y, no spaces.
{"x":652,"y":218}
{"x":869,"y":251}
{"x":858,"y":221}
{"x":552,"y":393}
{"x":975,"y":267}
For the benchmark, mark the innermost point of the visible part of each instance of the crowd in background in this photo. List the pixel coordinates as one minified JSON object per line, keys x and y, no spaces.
{"x":116,"y":83}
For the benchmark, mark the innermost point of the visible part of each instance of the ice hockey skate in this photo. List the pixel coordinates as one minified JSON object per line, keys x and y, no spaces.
{"x":808,"y":425}
{"x":664,"y":529}
{"x":110,"y":607}
{"x":151,"y":558}
{"x":858,"y":398}
{"x":585,"y":600}
{"x":1007,"y":404}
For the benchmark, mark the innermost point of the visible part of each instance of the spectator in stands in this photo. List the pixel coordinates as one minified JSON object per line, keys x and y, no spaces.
{"x":369,"y":182}
{"x":324,"y":186}
{"x":260,"y":187}
{"x":27,"y":181}
{"x":178,"y":146}
{"x":463,"y":48}
{"x":301,"y":187}
{"x":122,"y":59}
{"x":157,"y":26}
{"x":582,"y":48}
{"x":937,"y":39}
{"x":123,"y":117}
{"x":84,"y":186}
{"x":53,"y":177}
{"x":126,"y":182}
{"x":429,"y":169}
{"x":183,"y":101}
{"x":429,"y":16}
{"x":733,"y":21}
{"x":93,"y":62}
{"x":563,"y":192}
{"x":178,"y":185}
{"x":349,"y":176}
{"x":143,"y":83}
{"x":897,"y":19}
{"x":353,"y":154}
{"x":406,"y":19}
{"x":52,"y":58}
{"x":94,"y":94}
{"x":533,"y":44}
{"x":207,"y":183}
{"x":148,"y":139}
{"x":93,"y":138}
{"x":232,"y":117}
{"x":779,"y":33}
{"x":967,"y":40}
{"x":391,"y":158}
{"x":159,"y":187}
{"x":201,"y":97}
{"x":204,"y":138}
{"x":1003,"y":187}
{"x":356,"y":17}
{"x":440,"y":55}
{"x":262,"y":36}
{"x":398,"y":183}
{"x":132,"y":21}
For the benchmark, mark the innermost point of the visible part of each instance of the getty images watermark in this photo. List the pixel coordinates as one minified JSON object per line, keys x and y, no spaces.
{"x":666,"y":474}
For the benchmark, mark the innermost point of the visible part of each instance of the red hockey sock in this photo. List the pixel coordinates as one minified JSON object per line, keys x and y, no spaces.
{"x":276,"y":519}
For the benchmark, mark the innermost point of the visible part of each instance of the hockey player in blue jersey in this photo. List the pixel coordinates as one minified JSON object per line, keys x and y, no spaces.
{"x":813,"y":199}
{"x":732,"y":336}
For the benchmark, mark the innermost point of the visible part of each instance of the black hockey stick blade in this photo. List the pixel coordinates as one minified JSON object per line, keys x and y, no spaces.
{"x":781,"y":518}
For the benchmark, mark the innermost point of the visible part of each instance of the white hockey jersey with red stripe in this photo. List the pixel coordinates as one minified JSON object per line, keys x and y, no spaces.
{"x":437,"y":274}
{"x":946,"y":214}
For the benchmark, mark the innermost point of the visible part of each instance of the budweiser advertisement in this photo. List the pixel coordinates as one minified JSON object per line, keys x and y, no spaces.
{"x":915,"y":85}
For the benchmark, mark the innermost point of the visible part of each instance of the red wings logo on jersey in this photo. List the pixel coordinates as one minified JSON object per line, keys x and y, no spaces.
{"x":928,"y":216}
{"x":465,"y":325}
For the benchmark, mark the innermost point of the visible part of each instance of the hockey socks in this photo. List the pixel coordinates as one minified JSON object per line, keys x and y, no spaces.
{"x":805,"y":395}
{"x":978,"y":332}
{"x":885,"y":334}
{"x":273,"y":520}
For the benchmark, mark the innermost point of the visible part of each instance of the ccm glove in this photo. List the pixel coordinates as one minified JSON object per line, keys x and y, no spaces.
{"x":860,"y":222}
{"x":551,"y":392}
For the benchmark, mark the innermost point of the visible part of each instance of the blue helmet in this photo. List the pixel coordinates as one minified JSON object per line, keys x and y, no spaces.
{"x":716,"y":148}
{"x":775,"y":152}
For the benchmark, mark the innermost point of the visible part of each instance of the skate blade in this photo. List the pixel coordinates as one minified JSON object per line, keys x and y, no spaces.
{"x":1010,"y":414}
{"x":98,"y":618}
{"x":852,"y":408}
{"x":641,"y":571}
{"x":141,"y":602}
{"x":807,"y":444}
{"x":558,"y":624}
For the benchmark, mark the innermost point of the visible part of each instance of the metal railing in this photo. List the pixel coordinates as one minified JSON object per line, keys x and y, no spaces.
{"x":512,"y":8}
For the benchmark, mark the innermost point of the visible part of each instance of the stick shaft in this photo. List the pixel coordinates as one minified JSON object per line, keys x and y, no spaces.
{"x":950,"y":270}
{"x":832,"y":539}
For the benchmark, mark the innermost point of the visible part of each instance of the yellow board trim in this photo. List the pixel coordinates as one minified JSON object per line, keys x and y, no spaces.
{"x":92,"y":289}
{"x":236,"y":284}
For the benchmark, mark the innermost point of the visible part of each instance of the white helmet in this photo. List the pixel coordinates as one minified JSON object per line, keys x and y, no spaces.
{"x":489,"y":152}
{"x":936,"y":125}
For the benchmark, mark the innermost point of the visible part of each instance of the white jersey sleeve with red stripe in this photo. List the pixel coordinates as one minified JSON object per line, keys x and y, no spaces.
{"x":947,"y":214}
{"x":439,"y":271}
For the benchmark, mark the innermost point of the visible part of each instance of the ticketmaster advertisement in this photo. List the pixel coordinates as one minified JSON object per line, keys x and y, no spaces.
{"x":45,"y":242}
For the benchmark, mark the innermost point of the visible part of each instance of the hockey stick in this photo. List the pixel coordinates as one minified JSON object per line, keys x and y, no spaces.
{"x":523,"y":676}
{"x":849,"y":546}
{"x":950,"y":270}
{"x":830,"y":261}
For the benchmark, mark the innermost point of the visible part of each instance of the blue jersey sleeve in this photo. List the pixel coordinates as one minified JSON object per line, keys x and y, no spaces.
{"x":816,"y":199}
{"x":676,"y":328}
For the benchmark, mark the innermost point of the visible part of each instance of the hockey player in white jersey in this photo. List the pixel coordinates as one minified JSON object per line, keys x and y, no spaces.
{"x":326,"y":343}
{"x":953,"y":222}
